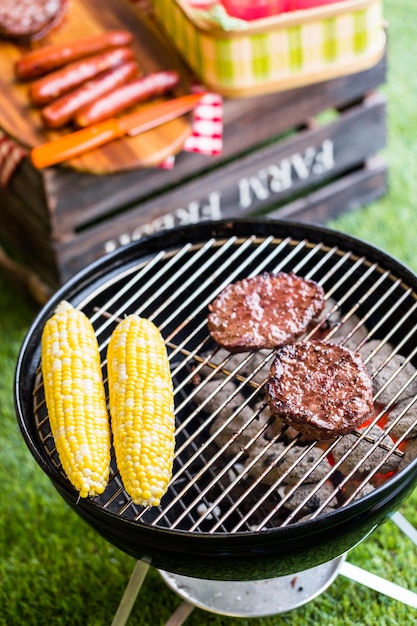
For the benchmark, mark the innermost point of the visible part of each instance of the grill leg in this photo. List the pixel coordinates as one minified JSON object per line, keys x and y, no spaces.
{"x":128,"y":600}
{"x":180,"y":614}
{"x":405,"y":526}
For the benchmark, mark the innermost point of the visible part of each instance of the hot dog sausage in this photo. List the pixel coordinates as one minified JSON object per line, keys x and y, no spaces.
{"x":63,"y":109}
{"x":44,"y":60}
{"x":61,"y":81}
{"x":126,"y":96}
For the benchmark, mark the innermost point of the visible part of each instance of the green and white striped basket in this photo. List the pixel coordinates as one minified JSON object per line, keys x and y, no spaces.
{"x":238,"y":59}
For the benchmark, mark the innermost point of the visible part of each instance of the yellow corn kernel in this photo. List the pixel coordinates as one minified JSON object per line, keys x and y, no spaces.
{"x":75,"y":399}
{"x":141,"y":402}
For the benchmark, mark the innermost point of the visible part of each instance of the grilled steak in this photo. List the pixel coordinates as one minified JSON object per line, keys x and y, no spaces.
{"x":322,"y":389}
{"x":30,"y":19}
{"x":265,"y":311}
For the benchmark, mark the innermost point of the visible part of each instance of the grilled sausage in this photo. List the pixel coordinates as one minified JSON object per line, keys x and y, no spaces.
{"x":43,"y":60}
{"x":126,"y":96}
{"x":61,"y":111}
{"x":54,"y":85}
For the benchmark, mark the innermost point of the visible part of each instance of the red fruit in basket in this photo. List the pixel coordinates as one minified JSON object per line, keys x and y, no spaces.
{"x":310,"y":4}
{"x":252,"y":10}
{"x":255,"y":9}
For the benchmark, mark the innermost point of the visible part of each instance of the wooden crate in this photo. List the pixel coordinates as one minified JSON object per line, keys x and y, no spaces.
{"x":307,"y":154}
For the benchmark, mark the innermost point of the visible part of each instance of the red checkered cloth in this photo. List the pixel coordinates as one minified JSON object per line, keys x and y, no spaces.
{"x":207,"y":131}
{"x":11,"y":154}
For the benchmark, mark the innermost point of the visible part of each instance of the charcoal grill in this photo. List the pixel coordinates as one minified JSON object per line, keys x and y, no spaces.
{"x":239,"y":508}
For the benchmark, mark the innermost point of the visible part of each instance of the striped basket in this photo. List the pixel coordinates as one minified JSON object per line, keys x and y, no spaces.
{"x":239,"y":59}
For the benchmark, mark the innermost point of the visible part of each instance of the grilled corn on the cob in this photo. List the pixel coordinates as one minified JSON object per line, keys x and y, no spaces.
{"x":141,"y":409}
{"x":75,"y":399}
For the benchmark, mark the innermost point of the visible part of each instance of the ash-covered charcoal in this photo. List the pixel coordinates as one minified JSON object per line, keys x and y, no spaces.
{"x":358,"y":448}
{"x":382,"y":365}
{"x":321,"y":389}
{"x":410,"y":453}
{"x":280,"y":457}
{"x":357,"y":488}
{"x":212,"y":397}
{"x":264,"y":311}
{"x":227,"y":433}
{"x":244,"y":364}
{"x":259,"y":360}
{"x":348,"y":332}
{"x":219,"y":362}
{"x":316,"y":498}
{"x":202,"y":509}
{"x":407,"y":420}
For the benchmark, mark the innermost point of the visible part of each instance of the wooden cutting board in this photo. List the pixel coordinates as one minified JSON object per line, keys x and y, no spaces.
{"x":89,"y":17}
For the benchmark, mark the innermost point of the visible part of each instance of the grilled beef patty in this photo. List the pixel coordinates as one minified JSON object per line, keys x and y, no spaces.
{"x":322,"y":389}
{"x":264,"y":311}
{"x":29,"y":19}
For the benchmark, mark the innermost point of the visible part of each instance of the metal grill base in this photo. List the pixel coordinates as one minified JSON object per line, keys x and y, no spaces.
{"x":252,"y":594}
{"x":259,"y":598}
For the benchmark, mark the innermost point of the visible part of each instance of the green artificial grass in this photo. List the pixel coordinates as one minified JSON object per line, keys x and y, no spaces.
{"x":56,"y":571}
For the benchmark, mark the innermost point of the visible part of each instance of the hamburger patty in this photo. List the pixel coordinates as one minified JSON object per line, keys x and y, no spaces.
{"x":322,"y":389}
{"x":30,"y":19}
{"x":265,"y":311}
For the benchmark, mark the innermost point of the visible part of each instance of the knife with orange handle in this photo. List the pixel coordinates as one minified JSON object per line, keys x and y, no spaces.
{"x":81,"y":141}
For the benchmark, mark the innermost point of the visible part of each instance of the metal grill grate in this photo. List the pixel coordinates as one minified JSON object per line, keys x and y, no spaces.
{"x":242,"y":472}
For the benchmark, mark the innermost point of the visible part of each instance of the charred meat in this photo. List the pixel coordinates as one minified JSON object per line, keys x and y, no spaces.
{"x":322,"y":389}
{"x":264,"y":311}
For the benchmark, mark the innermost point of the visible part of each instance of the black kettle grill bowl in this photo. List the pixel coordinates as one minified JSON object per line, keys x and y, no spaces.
{"x":230,"y":552}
